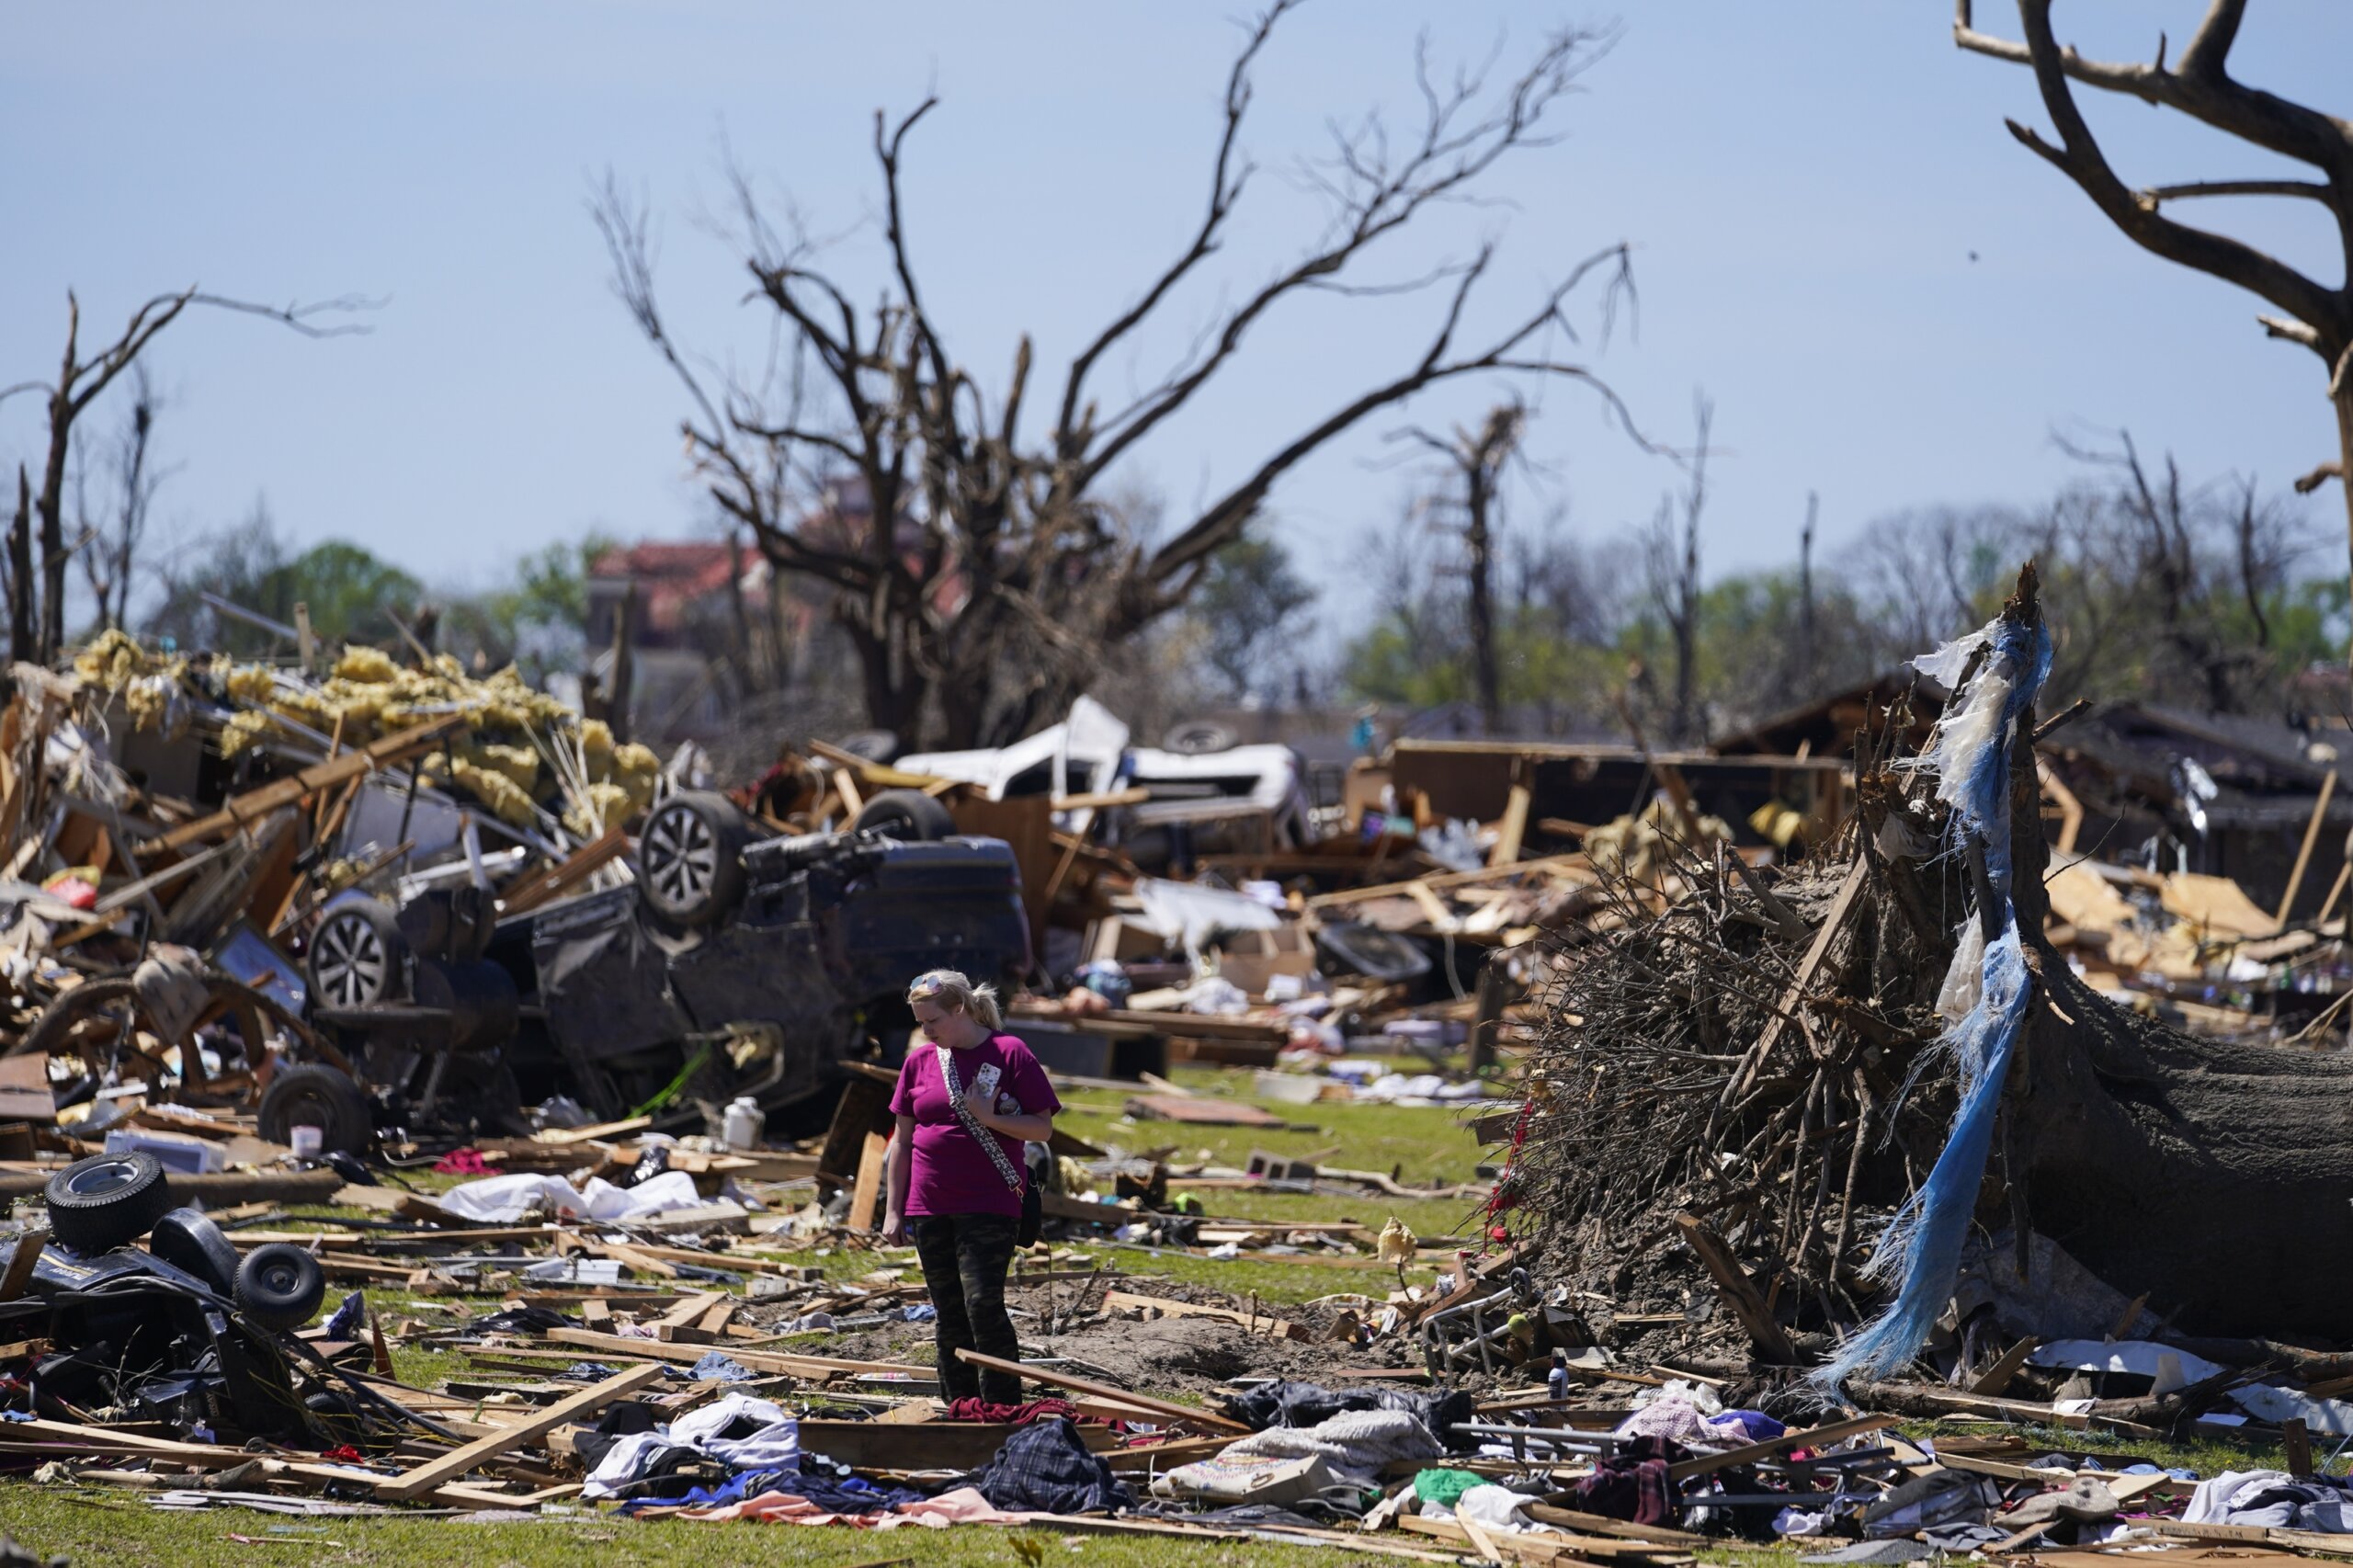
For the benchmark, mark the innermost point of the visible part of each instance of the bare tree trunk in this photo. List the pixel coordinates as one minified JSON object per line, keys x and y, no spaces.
{"x":623,"y":677}
{"x":1482,"y":604}
{"x":21,"y":643}
{"x":2341,"y":394}
{"x":1805,"y":598}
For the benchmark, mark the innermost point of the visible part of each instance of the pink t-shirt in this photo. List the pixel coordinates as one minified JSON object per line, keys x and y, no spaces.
{"x":953,"y":1175}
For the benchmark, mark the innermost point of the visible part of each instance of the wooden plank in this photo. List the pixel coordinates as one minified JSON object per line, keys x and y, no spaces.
{"x":1440,"y":918}
{"x":1054,"y":1378}
{"x":866,"y":1194}
{"x":256,"y":803}
{"x":1738,"y":1290}
{"x":545,"y":886}
{"x":20,"y":1263}
{"x":687,"y":1354}
{"x":1997,"y":1376}
{"x":1624,"y":1529}
{"x":1274,"y":1326}
{"x":455,"y":1463}
{"x":2304,"y":851}
{"x":1515,"y":826}
{"x":1817,"y":1438}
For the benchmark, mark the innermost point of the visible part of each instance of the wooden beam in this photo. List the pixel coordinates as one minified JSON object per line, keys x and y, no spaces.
{"x":545,"y":886}
{"x":1514,"y":830}
{"x":1997,"y":1376}
{"x":281,"y":793}
{"x":546,"y":1419}
{"x":1054,"y":1378}
{"x":20,"y":1263}
{"x":2304,"y":851}
{"x":1738,"y":1290}
{"x":866,"y":1194}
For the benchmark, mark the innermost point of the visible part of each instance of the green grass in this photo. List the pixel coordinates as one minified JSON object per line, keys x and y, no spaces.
{"x":104,"y":1525}
{"x":1420,"y":1144}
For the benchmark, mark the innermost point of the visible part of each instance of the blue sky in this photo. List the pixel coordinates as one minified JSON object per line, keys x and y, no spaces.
{"x":1804,"y":185}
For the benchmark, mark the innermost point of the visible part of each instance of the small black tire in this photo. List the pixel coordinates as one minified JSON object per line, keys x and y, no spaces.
{"x":280,"y":1285}
{"x":107,"y":1201}
{"x":908,"y":815}
{"x":358,"y":955}
{"x":314,"y":1094}
{"x":191,"y":1242}
{"x":691,"y":857}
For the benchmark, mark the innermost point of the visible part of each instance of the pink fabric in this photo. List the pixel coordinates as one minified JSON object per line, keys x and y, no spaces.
{"x":953,"y":1175}
{"x":777,"y":1508}
{"x":964,"y":1505}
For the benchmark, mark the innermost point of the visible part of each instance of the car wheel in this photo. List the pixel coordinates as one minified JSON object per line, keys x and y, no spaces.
{"x":191,"y":1242}
{"x":107,"y":1200}
{"x":280,"y":1285}
{"x":691,"y":857}
{"x":355,"y":954}
{"x":908,"y":815}
{"x":314,"y":1094}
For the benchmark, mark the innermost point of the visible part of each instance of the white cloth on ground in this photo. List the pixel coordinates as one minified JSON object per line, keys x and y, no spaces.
{"x":508,"y":1198}
{"x":1356,"y":1443}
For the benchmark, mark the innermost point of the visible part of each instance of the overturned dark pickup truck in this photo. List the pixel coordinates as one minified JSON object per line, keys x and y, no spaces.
{"x":736,"y":964}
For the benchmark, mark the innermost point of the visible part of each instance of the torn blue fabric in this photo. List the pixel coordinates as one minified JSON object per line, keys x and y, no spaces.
{"x":1920,"y":1249}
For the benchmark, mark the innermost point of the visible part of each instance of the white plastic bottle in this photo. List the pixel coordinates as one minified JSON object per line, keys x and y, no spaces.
{"x":743,"y":1124}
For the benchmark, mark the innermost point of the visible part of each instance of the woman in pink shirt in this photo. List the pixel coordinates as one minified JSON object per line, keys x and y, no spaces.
{"x":968,"y":1096}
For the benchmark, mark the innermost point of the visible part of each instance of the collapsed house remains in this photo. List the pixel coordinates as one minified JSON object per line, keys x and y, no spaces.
{"x":1825,"y":1091}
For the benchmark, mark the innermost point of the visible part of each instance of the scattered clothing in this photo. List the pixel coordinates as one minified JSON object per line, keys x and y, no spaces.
{"x":2271,"y":1498}
{"x":1046,"y":1468}
{"x":1938,"y":1500}
{"x":1634,"y":1483}
{"x":2085,"y":1500}
{"x":719,"y":1367}
{"x":1443,"y":1486}
{"x":958,"y":1505}
{"x":1014,"y":1414}
{"x":1356,"y":1444}
{"x":1309,"y":1405}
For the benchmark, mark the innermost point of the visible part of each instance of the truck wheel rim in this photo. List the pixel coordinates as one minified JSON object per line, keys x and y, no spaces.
{"x":681,"y":857}
{"x":351,"y":964}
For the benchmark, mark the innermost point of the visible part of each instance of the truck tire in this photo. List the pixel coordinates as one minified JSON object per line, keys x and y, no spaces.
{"x":908,"y":815}
{"x":314,"y":1094}
{"x":107,"y":1200}
{"x":356,"y":955}
{"x":280,"y":1285}
{"x":691,"y":857}
{"x":190,"y":1242}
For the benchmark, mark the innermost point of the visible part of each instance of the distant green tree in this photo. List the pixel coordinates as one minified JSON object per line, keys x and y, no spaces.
{"x":352,"y":595}
{"x":1249,"y":606}
{"x":535,"y":619}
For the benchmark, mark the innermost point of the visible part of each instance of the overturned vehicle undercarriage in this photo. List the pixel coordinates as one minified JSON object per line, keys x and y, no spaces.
{"x":735,"y":965}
